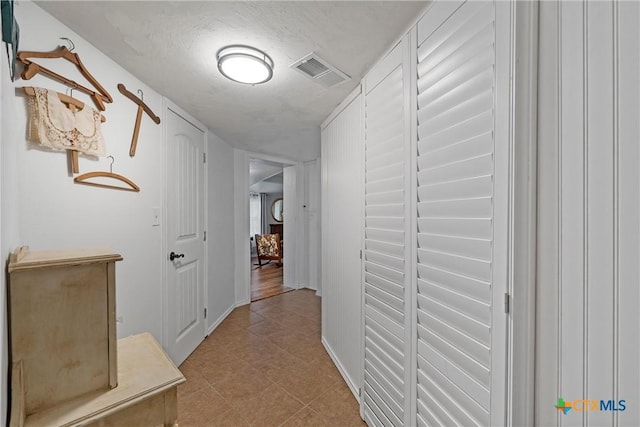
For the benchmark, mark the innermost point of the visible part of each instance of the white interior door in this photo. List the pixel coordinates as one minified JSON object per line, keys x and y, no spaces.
{"x":289,"y":196}
{"x":185,"y":218}
{"x":461,"y":332}
{"x":341,"y":240}
{"x":386,"y":290}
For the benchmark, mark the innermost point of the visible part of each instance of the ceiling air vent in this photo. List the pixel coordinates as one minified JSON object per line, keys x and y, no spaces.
{"x":319,"y":70}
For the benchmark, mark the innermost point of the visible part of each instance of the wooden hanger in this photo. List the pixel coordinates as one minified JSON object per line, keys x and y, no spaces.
{"x":73,"y":104}
{"x":66,"y":99}
{"x":31,"y":69}
{"x":82,"y":179}
{"x":141,"y":107}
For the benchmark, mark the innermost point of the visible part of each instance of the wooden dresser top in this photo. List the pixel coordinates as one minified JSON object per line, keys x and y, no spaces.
{"x":23,"y":259}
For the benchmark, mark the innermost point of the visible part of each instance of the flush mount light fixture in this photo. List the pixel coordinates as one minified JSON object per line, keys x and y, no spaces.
{"x":245,"y":64}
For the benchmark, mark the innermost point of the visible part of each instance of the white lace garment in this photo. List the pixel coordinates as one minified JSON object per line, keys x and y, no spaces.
{"x":54,"y":125}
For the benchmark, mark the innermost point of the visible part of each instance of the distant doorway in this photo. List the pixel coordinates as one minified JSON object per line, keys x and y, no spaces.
{"x":266,"y":217}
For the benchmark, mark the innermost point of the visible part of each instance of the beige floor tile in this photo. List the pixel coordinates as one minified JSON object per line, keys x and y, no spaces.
{"x":243,"y":317}
{"x":308,"y":418}
{"x":289,"y":339}
{"x":215,"y":373}
{"x":280,"y":366}
{"x":267,"y":327}
{"x":271,"y":407}
{"x":303,"y":346}
{"x":338,"y":405}
{"x":322,"y":363}
{"x":211,"y":356}
{"x":276,"y":312}
{"x":266,"y":303}
{"x":195,"y":380}
{"x":261,"y":366}
{"x":306,"y":383}
{"x":264,"y":356}
{"x":228,"y":418}
{"x":198,"y":407}
{"x":243,"y":384}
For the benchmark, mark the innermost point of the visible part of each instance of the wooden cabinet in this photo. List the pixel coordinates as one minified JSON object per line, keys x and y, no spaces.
{"x":277,"y":229}
{"x":145,"y":395}
{"x":62,"y":320}
{"x":67,"y":368}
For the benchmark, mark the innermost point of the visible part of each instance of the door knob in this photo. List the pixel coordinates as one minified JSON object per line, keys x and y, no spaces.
{"x":174,"y":255}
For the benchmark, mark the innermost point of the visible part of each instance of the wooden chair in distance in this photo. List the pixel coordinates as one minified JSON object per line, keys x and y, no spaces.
{"x":269,"y":248}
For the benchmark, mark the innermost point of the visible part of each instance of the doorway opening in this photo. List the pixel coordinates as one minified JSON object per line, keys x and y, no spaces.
{"x":266,"y":228}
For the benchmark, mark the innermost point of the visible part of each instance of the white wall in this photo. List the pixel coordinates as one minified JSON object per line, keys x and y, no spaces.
{"x":342,"y":225}
{"x":56,"y":213}
{"x":588,"y":345}
{"x":220,"y":230}
{"x":43,"y":208}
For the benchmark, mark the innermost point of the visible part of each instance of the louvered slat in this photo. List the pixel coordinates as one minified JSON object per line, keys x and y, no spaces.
{"x":455,"y":168}
{"x":463,"y":304}
{"x":374,"y":376}
{"x":384,"y":251}
{"x":374,"y":358}
{"x":471,"y":187}
{"x":464,"y":246}
{"x":465,"y":286}
{"x":433,"y":347}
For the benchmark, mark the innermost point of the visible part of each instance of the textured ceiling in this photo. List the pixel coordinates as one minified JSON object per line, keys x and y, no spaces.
{"x":265,"y":176}
{"x":259,"y":170}
{"x":171,"y":46}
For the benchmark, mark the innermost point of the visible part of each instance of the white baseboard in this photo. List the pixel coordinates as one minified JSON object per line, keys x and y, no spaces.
{"x":319,"y":293}
{"x":220,"y":319}
{"x":352,"y":386}
{"x":241,"y":303}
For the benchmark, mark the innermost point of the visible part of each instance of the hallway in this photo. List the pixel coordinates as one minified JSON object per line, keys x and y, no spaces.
{"x":265,"y":366}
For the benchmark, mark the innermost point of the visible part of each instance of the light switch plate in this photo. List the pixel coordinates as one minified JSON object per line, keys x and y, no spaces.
{"x":155,"y":212}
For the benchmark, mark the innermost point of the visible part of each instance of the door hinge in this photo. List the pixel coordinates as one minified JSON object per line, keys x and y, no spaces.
{"x":205,"y":236}
{"x":359,"y":391}
{"x":507,"y":302}
{"x":360,"y":253}
{"x":205,"y":313}
{"x":204,"y":157}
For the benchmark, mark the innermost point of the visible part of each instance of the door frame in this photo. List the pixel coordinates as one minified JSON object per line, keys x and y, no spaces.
{"x":242,"y":252}
{"x":523,"y":214}
{"x":168,"y":105}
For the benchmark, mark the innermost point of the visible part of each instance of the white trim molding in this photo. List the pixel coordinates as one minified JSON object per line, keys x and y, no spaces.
{"x":352,"y":386}
{"x":521,"y":350}
{"x":220,"y":319}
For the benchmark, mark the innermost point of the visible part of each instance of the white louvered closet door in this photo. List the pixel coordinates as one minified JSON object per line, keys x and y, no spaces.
{"x":460,"y":330}
{"x":385,"y":241}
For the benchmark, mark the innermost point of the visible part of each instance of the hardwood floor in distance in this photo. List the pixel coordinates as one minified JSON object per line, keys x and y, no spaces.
{"x":267,"y":281}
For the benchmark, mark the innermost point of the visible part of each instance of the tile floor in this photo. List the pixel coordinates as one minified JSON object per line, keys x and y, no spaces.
{"x":265,"y":366}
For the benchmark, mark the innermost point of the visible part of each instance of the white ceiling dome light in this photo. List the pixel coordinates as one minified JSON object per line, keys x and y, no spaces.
{"x":245,"y":64}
